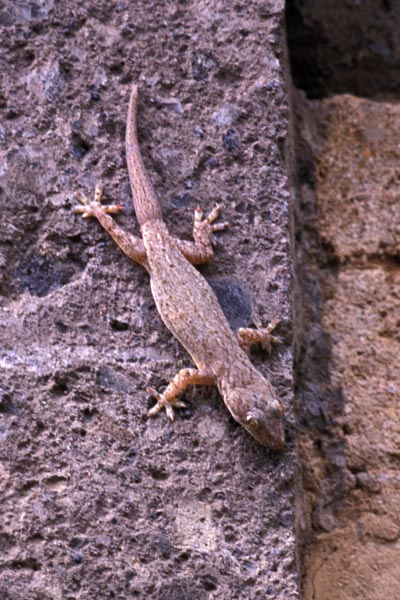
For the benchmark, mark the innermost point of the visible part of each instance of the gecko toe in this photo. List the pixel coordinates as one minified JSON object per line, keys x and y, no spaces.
{"x":90,"y":208}
{"x":159,"y":406}
{"x":214,"y":214}
{"x":162,"y":402}
{"x":220,"y":226}
{"x":154,"y":393}
{"x":81,"y":197}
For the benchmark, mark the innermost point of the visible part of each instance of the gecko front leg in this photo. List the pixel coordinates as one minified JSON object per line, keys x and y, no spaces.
{"x":201,"y":250}
{"x":131,"y":245}
{"x":197,"y":252}
{"x":168,"y":399}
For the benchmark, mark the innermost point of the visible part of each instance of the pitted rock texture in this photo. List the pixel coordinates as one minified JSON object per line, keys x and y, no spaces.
{"x":97,"y":500}
{"x":347,"y":348}
{"x":347,"y":46}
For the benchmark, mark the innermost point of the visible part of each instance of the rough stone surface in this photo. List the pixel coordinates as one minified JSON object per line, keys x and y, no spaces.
{"x":344,"y":46}
{"x":97,"y":500}
{"x":348,"y":344}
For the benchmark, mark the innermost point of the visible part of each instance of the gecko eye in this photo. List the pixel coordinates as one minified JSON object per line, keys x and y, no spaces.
{"x":251,"y":421}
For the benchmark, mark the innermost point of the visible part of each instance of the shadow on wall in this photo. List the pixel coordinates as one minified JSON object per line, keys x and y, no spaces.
{"x":344,"y":47}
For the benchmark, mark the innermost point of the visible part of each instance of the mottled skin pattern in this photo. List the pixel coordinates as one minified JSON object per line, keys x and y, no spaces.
{"x":189,"y":307}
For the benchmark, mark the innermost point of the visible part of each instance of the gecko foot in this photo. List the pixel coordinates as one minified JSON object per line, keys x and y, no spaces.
{"x":91,"y":208}
{"x":204,"y":228}
{"x":263,"y":336}
{"x":201,"y":250}
{"x":162,"y":402}
{"x":168,"y":399}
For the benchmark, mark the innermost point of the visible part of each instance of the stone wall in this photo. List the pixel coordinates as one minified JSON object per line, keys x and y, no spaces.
{"x":97,"y":500}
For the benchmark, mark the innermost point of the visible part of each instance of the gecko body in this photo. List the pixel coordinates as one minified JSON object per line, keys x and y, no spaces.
{"x":188,"y":305}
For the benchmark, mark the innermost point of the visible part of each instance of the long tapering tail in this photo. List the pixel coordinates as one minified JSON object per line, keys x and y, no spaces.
{"x":147,"y":207}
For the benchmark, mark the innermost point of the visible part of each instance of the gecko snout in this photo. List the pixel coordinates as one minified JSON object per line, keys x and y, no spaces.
{"x":266,"y":425}
{"x":259,"y":412}
{"x":276,"y":411}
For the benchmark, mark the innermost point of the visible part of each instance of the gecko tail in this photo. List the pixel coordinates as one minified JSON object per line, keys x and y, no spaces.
{"x":147,"y":207}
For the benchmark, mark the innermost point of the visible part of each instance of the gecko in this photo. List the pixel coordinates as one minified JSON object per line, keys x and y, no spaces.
{"x":187,"y":304}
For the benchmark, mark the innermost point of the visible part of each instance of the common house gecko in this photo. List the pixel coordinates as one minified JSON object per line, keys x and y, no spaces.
{"x":188,"y":306}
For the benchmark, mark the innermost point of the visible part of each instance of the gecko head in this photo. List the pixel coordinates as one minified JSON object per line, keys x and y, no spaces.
{"x":260,"y":413}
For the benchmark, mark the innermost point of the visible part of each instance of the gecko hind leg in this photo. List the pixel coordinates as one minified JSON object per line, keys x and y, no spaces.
{"x":168,"y":399}
{"x":201,"y":250}
{"x":263,"y":336}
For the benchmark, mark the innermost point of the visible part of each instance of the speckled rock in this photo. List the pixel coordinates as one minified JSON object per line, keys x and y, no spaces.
{"x":97,"y":500}
{"x":348,"y":348}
